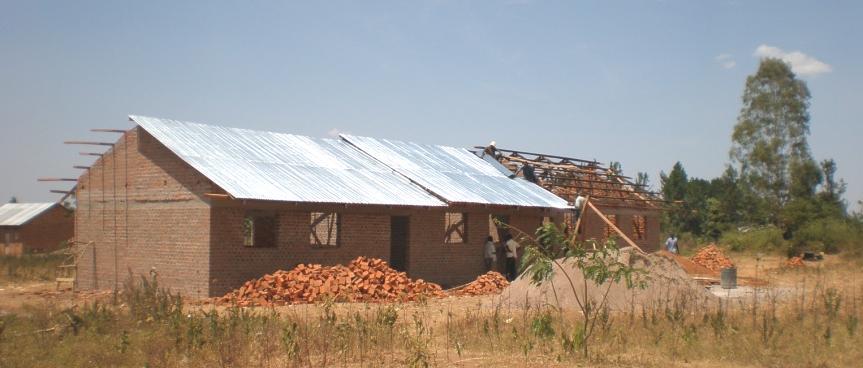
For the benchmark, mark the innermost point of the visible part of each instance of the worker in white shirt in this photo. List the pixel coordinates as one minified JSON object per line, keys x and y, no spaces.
{"x":579,"y":203}
{"x":511,"y":257}
{"x":489,"y":254}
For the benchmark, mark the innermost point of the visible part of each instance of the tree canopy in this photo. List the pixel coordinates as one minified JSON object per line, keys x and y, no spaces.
{"x":769,"y":142}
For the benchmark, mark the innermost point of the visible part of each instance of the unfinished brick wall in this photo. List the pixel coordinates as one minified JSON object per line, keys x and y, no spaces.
{"x":594,"y":228}
{"x":48,"y":231}
{"x":141,"y":207}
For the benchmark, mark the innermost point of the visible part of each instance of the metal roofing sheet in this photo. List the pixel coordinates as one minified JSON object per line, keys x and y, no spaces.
{"x":261,"y":165}
{"x":17,"y":214}
{"x":456,"y":174}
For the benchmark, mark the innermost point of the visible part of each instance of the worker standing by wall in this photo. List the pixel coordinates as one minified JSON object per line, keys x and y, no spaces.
{"x":511,"y":257}
{"x":489,"y":254}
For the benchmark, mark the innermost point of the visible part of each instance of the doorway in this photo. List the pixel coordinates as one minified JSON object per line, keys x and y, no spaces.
{"x":399,"y":234}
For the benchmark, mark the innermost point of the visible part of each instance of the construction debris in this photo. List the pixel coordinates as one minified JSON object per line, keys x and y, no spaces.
{"x":711,"y":257}
{"x":795,"y":262}
{"x":362,"y":280}
{"x":487,"y":284}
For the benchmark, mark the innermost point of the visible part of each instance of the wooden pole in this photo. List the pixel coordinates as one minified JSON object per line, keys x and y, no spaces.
{"x":89,"y":143}
{"x":56,"y":179}
{"x":614,"y":227}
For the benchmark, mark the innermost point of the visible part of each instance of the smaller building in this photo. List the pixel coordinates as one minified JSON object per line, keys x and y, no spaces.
{"x":34,"y":227}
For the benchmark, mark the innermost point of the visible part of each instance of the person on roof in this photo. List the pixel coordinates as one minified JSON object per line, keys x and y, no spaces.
{"x":511,"y":257}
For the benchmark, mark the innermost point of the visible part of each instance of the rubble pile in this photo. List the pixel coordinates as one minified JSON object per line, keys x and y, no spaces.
{"x":362,"y":280}
{"x":487,"y":284}
{"x":711,"y":257}
{"x":795,"y":262}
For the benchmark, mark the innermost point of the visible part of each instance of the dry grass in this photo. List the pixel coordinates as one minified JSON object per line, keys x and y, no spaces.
{"x":818,"y":326}
{"x":32,"y":267}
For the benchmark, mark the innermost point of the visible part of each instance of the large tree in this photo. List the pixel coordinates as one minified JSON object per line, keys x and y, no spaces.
{"x":769,"y":145}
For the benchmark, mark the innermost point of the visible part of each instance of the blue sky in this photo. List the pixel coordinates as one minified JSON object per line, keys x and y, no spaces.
{"x":646,"y":83}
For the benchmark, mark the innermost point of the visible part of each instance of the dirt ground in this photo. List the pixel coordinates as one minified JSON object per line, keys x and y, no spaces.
{"x":14,"y":297}
{"x":769,"y":270}
{"x":833,"y":271}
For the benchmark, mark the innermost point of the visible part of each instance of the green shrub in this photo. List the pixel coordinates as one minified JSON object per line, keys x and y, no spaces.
{"x":767,"y":238}
{"x":829,"y":236}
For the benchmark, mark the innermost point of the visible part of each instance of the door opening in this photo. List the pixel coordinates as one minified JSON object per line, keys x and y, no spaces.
{"x":399,"y":235}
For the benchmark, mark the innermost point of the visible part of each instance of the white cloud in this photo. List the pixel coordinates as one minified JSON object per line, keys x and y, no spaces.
{"x":726,"y":61}
{"x":801,"y":63}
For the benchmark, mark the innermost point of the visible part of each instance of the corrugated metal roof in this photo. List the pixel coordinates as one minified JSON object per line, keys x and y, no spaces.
{"x":261,"y":165}
{"x":456,"y":174}
{"x":17,"y":214}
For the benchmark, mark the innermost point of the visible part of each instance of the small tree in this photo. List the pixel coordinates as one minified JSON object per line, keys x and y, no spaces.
{"x":831,"y":193}
{"x":642,"y":181}
{"x":551,"y":251}
{"x":14,"y":199}
{"x":674,"y":191}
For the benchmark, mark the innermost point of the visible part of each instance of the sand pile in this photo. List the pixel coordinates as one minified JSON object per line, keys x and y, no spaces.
{"x":691,"y":268}
{"x":667,"y":281}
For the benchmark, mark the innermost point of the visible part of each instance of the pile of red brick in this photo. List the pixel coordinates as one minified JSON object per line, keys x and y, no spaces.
{"x":363,"y":280}
{"x":711,"y":257}
{"x":490,"y":283}
{"x":795,"y":262}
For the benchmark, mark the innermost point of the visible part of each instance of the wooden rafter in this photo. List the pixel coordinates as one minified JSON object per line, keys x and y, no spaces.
{"x":570,"y":177}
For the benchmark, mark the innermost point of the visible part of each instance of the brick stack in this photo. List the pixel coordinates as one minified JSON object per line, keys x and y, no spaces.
{"x":712,"y":258}
{"x":489,"y":283}
{"x":363,"y":280}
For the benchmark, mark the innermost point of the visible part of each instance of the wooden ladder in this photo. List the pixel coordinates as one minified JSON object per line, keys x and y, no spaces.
{"x":68,"y":271}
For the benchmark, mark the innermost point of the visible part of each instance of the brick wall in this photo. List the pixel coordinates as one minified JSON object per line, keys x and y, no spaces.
{"x":365,"y":231}
{"x":594,"y":228}
{"x":232,"y":263}
{"x":10,"y":242}
{"x":47,"y":231}
{"x":455,"y":264}
{"x":141,"y":207}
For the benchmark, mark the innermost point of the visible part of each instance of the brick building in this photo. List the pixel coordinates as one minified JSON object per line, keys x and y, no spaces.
{"x":33,"y":227}
{"x":209,"y":207}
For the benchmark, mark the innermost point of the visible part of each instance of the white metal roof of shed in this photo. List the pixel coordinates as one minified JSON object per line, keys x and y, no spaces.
{"x":17,"y":214}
